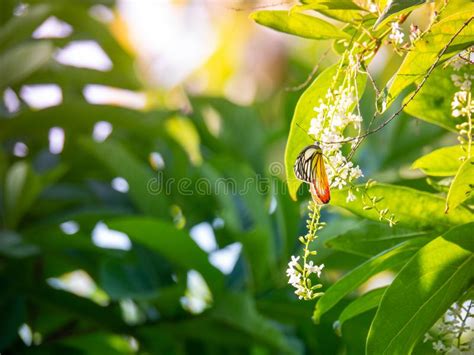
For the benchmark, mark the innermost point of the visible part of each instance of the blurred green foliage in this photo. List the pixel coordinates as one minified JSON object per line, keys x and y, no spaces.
{"x":140,"y":300}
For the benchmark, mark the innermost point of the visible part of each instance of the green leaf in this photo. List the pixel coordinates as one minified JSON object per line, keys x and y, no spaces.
{"x":12,"y":245}
{"x":20,"y":28}
{"x":304,"y":112}
{"x":22,"y":187}
{"x":100,"y":342}
{"x":231,"y":320}
{"x":427,"y":49}
{"x":354,"y":278}
{"x":81,"y":117}
{"x":441,"y":162}
{"x":139,"y":177}
{"x":13,"y":312}
{"x":182,"y":130}
{"x":79,"y":307}
{"x":361,"y":304}
{"x":173,"y":244}
{"x":246,"y":215}
{"x":396,"y":8}
{"x":370,"y":238}
{"x":19,"y":62}
{"x":412,"y":208}
{"x":342,"y":10}
{"x":422,"y":291}
{"x":462,"y":185}
{"x":298,"y":24}
{"x":433,"y":102}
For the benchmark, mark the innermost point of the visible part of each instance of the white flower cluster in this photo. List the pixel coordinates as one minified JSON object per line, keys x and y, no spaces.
{"x":334,"y":115}
{"x":453,"y":333}
{"x":396,"y":36}
{"x":460,"y":104}
{"x":298,"y":277}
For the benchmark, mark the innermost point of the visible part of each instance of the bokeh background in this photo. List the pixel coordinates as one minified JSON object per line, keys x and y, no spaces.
{"x":104,"y":102}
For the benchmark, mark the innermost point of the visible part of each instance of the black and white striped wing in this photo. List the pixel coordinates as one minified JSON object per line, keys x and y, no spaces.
{"x":306,"y":162}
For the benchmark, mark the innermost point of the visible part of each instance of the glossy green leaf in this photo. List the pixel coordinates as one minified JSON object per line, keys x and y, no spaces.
{"x":441,"y":162}
{"x":298,"y":138}
{"x":361,"y":304}
{"x":462,"y":186}
{"x":412,"y":208}
{"x":422,"y":291}
{"x":19,"y":62}
{"x":354,"y":278}
{"x":298,"y":24}
{"x":397,"y":8}
{"x":427,"y":48}
{"x":173,"y":244}
{"x":370,"y":238}
{"x":433,"y":102}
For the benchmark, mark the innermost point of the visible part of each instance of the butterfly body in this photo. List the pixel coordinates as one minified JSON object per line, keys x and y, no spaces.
{"x":309,"y":167}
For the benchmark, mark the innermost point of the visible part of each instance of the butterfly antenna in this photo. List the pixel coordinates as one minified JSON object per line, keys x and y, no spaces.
{"x":301,"y":127}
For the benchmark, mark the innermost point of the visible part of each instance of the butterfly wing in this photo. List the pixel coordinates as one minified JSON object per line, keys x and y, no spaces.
{"x":303,"y":167}
{"x":309,"y":167}
{"x":319,"y":186}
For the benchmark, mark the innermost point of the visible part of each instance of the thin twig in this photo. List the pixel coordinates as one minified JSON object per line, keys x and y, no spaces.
{"x":310,"y":76}
{"x":412,"y":96}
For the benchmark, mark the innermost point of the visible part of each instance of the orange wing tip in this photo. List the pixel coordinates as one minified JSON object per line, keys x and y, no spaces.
{"x":320,"y":198}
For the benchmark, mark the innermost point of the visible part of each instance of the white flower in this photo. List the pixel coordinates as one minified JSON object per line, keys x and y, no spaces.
{"x":350,"y":196}
{"x":294,"y":261}
{"x":295,"y":279}
{"x":457,"y":64}
{"x":439,"y":346}
{"x":373,"y":8}
{"x":396,"y":35}
{"x":314,"y":269}
{"x":356,"y":173}
{"x":460,"y":104}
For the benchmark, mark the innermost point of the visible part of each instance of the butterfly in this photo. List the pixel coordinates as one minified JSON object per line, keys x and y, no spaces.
{"x":309,"y":167}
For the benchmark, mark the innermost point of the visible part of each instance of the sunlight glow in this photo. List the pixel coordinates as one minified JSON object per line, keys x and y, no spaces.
{"x":84,"y":54}
{"x":53,"y":28}
{"x":225,"y":259}
{"x":203,"y":235}
{"x":103,"y":237}
{"x":189,"y":41}
{"x":106,"y":95}
{"x":198,"y":297}
{"x":56,"y":140}
{"x":120,"y":184}
{"x":20,"y":150}
{"x":69,"y":227}
{"x":12,"y":103}
{"x":102,"y":130}
{"x":42,"y":96}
